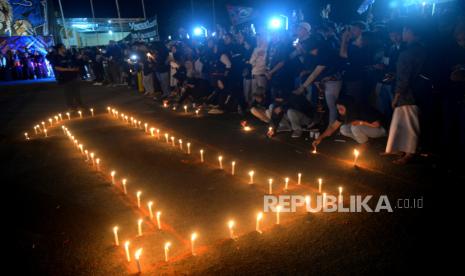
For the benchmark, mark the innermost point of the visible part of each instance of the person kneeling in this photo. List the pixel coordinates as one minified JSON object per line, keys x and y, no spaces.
{"x":357,"y":123}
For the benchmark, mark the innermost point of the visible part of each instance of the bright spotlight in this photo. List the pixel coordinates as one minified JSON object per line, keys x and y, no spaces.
{"x":200,"y":31}
{"x":110,"y":32}
{"x":197,"y":31}
{"x":275,"y":23}
{"x":134,"y":57}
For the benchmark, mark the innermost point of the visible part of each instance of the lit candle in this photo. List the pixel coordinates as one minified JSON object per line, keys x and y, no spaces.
{"x":87,"y":155}
{"x":257,"y":225}
{"x":193,"y":238}
{"x":167,"y":250}
{"x":270,"y":186}
{"x":45,"y":132}
{"x":61,"y":118}
{"x":139,"y":227}
{"x":138,"y":194}
{"x":196,"y":112}
{"x":220,"y":161}
{"x":136,"y":257}
{"x":97,"y":161}
{"x":320,"y":183}
{"x":68,"y":115}
{"x":165,"y":104}
{"x":92,"y":112}
{"x":92,"y":159}
{"x":124,"y":181}
{"x":247,"y":128}
{"x":43,"y":125}
{"x":50,"y":121}
{"x":299,"y":178}
{"x":158,"y":133}
{"x":126,"y":249}
{"x":149,"y":205}
{"x":26,"y":135}
{"x":172,"y":141}
{"x":140,"y":124}
{"x":151,"y":131}
{"x":278,"y":210}
{"x":356,"y":153}
{"x":113,"y":173}
{"x":115,"y":233}
{"x":286,"y":183}
{"x":233,"y":167}
{"x":314,"y":150}
{"x":159,"y":220}
{"x":56,"y":119}
{"x":180,"y":144}
{"x":80,"y":114}
{"x":109,"y":109}
{"x":145,"y":127}
{"x":188,"y":148}
{"x":166,"y":137}
{"x":251,"y":173}
{"x":185,"y":109}
{"x":35,"y":130}
{"x":231,"y":224}
{"x":201,"y":155}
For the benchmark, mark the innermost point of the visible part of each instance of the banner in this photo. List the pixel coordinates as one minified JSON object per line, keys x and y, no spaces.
{"x":21,"y":17}
{"x":144,"y":30}
{"x":239,"y":14}
{"x":26,"y":43}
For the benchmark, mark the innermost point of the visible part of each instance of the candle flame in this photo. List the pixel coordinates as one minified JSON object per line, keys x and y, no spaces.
{"x":356,"y":152}
{"x":231,"y":224}
{"x":193,"y":236}
{"x":138,"y":253}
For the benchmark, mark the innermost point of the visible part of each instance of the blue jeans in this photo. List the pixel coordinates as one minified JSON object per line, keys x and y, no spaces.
{"x":362,"y":133}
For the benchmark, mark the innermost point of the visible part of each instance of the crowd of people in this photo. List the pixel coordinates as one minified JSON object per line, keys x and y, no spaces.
{"x":403,"y":79}
{"x":23,"y":64}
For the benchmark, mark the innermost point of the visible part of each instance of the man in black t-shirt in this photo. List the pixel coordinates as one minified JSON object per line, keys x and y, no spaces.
{"x":355,"y":122}
{"x":67,"y":75}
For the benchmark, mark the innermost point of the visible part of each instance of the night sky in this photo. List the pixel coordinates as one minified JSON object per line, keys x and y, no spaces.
{"x":173,"y":14}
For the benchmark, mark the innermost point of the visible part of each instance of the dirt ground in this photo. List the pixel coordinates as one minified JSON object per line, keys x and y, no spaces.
{"x":63,"y":210}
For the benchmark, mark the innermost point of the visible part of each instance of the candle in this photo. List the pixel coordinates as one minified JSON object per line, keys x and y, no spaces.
{"x":270,"y":186}
{"x":286,"y":183}
{"x":231,"y":224}
{"x":151,"y":131}
{"x":165,"y":104}
{"x":233,"y":167}
{"x":56,"y":119}
{"x":196,"y":112}
{"x":180,"y":144}
{"x":50,"y":121}
{"x":126,"y":249}
{"x":188,"y":148}
{"x":193,"y":238}
{"x":109,"y":109}
{"x":45,"y":132}
{"x":61,"y":118}
{"x":35,"y":130}
{"x":113,"y":173}
{"x":158,"y":133}
{"x":167,"y":250}
{"x":97,"y":161}
{"x":68,"y":115}
{"x":172,"y":141}
{"x":115,"y":232}
{"x":136,"y":257}
{"x":92,"y":158}
{"x":356,"y":153}
{"x":201,"y":155}
{"x":320,"y":183}
{"x":26,"y":135}
{"x":166,"y":137}
{"x":149,"y":205}
{"x":140,"y":124}
{"x":299,"y":178}
{"x":124,"y":181}
{"x":92,"y":112}
{"x":145,"y":127}
{"x":80,"y":113}
{"x":314,"y":150}
{"x":220,"y":161}
{"x":278,"y":210}
{"x":138,"y":194}
{"x":185,"y":109}
{"x":139,"y":227}
{"x":158,"y":220}
{"x":87,"y":155}
{"x":257,"y":225}
{"x":43,"y":125}
{"x":251,"y":173}
{"x":247,"y":128}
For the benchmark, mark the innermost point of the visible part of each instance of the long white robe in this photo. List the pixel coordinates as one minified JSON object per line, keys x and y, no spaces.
{"x":404,"y":130}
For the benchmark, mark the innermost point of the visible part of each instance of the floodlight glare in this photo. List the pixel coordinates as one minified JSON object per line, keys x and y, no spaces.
{"x":197,"y":31}
{"x":200,"y":31}
{"x":134,"y":57}
{"x":110,"y":32}
{"x":275,"y":23}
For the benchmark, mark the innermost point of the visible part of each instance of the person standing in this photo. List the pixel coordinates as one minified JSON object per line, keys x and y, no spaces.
{"x":405,"y":125}
{"x":67,"y":75}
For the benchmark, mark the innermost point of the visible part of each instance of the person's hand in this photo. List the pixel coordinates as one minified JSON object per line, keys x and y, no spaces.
{"x":270,"y":132}
{"x":316,"y":142}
